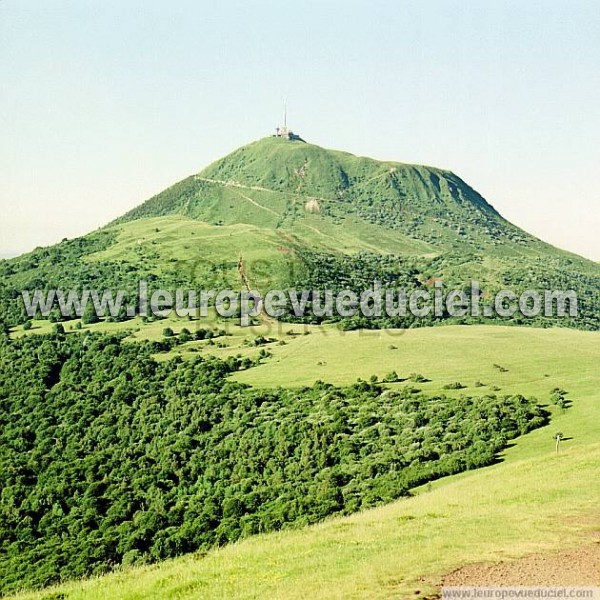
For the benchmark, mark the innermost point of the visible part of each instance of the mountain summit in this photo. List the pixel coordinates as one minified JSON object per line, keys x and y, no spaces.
{"x":283,"y":179}
{"x":282,"y":212}
{"x":283,"y":185}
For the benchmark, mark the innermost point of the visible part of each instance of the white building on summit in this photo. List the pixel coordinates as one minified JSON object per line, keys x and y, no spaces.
{"x":283,"y":131}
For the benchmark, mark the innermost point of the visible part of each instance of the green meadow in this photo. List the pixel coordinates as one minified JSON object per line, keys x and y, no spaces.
{"x":533,"y":499}
{"x":275,"y":215}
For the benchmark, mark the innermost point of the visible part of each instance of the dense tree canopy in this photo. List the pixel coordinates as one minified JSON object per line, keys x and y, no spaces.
{"x":108,"y":456}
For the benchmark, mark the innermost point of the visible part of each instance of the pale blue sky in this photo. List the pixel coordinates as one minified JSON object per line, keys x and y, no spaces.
{"x":104,"y":103}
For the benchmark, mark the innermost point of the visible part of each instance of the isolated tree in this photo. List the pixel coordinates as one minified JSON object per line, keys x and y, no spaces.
{"x":89,"y":315}
{"x":185,"y":335}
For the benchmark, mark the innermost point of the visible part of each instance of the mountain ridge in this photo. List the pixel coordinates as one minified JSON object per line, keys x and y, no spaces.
{"x":298,"y":214}
{"x":299,"y":168}
{"x":426,"y":203}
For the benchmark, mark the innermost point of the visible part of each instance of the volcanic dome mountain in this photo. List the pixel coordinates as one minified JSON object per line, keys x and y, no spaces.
{"x":275,"y":182}
{"x":285,"y":212}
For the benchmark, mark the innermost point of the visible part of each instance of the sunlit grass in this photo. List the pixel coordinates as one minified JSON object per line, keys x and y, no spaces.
{"x":534,"y":500}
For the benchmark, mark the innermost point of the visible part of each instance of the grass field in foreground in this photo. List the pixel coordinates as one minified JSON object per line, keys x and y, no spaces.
{"x":533,"y":501}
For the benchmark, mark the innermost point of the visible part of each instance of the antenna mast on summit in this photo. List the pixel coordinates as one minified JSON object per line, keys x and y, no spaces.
{"x":283,"y":131}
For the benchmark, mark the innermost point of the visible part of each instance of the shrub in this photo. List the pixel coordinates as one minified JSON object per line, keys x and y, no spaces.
{"x":417,"y":378}
{"x":391,"y":377}
{"x":456,"y":385}
{"x":185,"y":335}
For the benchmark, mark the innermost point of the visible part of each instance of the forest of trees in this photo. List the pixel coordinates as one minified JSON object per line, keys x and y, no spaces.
{"x":108,"y":456}
{"x":358,"y":272}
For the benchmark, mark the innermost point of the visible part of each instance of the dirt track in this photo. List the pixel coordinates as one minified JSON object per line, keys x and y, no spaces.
{"x":577,"y":567}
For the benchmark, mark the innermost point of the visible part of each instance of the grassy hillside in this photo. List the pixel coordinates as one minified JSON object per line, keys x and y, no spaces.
{"x":298,"y":214}
{"x":112,"y":458}
{"x":275,"y":183}
{"x":534,"y":500}
{"x":291,"y":214}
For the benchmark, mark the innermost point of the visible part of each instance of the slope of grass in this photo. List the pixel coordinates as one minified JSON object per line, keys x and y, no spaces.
{"x":271,"y":182}
{"x":183,"y":238}
{"x":505,"y":511}
{"x":175,"y":245}
{"x":534,"y":500}
{"x":274,"y":202}
{"x":536,"y":361}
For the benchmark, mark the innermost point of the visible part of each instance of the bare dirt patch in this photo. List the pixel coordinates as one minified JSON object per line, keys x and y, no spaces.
{"x":575,"y":567}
